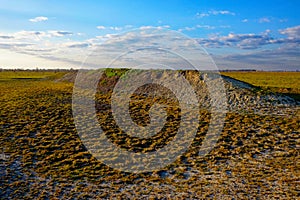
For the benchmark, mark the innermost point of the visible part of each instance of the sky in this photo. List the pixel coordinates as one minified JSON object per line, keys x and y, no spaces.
{"x":237,"y":34}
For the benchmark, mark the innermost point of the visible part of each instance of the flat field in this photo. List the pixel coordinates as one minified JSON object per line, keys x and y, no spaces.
{"x":281,"y":82}
{"x":256,"y":156}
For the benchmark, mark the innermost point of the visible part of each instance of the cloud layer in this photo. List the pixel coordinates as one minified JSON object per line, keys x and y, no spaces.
{"x":253,"y":41}
{"x":247,"y":49}
{"x":39,"y":19}
{"x":214,"y":12}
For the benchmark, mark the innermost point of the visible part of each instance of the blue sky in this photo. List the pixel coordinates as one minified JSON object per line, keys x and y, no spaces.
{"x":238,"y":34}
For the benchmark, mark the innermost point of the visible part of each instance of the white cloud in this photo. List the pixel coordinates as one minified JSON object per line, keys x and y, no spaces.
{"x":146,"y":27}
{"x":271,"y":59}
{"x":39,"y":19}
{"x":205,"y":26}
{"x":292,"y":32}
{"x":59,"y":33}
{"x":38,"y":35}
{"x":208,"y":27}
{"x":54,"y":45}
{"x":128,"y":26}
{"x":23,"y":36}
{"x":30,"y":35}
{"x":201,"y":15}
{"x":114,"y":28}
{"x":8,"y":60}
{"x":242,"y":41}
{"x":76,"y":44}
{"x":222,"y":12}
{"x":6,"y":37}
{"x":214,"y":12}
{"x":264,"y":20}
{"x":254,"y":41}
{"x":37,"y":43}
{"x":284,"y":57}
{"x":147,"y":44}
{"x":101,"y":27}
{"x":154,"y":27}
{"x":245,"y":20}
{"x":283,"y":20}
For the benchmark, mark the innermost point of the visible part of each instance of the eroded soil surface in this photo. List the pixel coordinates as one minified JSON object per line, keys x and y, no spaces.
{"x":256,"y":156}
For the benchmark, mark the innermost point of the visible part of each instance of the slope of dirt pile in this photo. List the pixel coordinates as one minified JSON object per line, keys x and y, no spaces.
{"x":241,"y":96}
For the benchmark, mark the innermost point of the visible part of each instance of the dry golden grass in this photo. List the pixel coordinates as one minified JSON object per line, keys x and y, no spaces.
{"x":255,"y":157}
{"x":281,"y":82}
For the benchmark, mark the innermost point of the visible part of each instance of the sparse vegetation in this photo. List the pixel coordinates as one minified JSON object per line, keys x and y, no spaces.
{"x":31,"y":74}
{"x":256,"y":156}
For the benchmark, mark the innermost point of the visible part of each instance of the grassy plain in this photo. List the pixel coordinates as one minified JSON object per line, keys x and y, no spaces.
{"x":280,"y":82}
{"x":255,"y":156}
{"x":29,"y":74}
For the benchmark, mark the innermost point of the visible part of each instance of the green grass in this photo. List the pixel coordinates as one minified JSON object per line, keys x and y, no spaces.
{"x":110,"y":72}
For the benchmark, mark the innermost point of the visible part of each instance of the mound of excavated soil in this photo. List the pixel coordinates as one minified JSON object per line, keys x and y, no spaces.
{"x":241,"y":96}
{"x":69,"y":77}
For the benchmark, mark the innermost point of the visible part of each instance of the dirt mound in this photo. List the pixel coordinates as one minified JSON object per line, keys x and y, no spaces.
{"x":69,"y":77}
{"x":241,"y":96}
